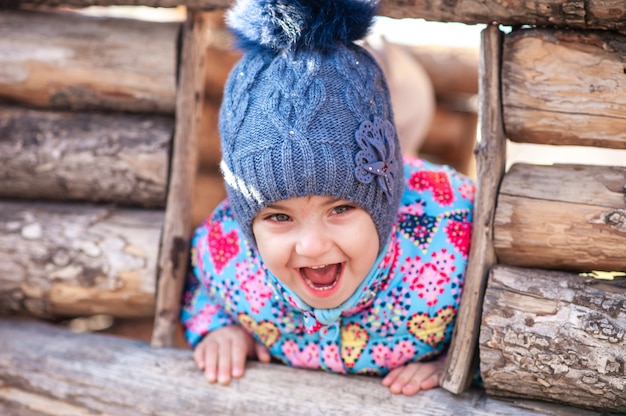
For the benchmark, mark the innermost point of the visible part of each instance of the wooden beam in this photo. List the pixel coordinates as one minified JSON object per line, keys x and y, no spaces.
{"x":564,"y":217}
{"x":490,"y":160}
{"x":47,"y":370}
{"x":117,"y":158}
{"x":65,"y":60}
{"x":582,"y":14}
{"x":67,"y":260}
{"x":174,"y":256}
{"x":565,"y":87}
{"x":555,"y":336}
{"x":587,"y":14}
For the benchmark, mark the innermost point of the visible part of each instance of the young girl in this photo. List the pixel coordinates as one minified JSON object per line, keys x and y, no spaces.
{"x":331,"y":251}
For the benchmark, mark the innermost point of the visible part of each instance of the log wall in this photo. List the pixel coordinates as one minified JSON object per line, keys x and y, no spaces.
{"x":111,"y":158}
{"x":567,"y":217}
{"x":565,"y":87}
{"x":70,"y":61}
{"x":60,"y":260}
{"x":555,"y":336}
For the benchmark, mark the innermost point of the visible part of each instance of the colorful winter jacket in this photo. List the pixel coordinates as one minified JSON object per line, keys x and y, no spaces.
{"x":404,"y":311}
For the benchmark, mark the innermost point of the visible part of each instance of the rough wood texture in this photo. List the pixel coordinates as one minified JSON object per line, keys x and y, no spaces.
{"x":565,"y":87}
{"x":584,"y":14}
{"x":71,"y":61}
{"x":119,"y":158}
{"x":567,"y":217}
{"x":59,"y":260}
{"x":490,"y":158}
{"x":45,"y":370}
{"x":173,"y":259}
{"x":555,"y":336}
{"x":589,"y":14}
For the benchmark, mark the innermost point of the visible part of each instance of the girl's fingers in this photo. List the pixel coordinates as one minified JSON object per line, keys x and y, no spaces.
{"x":209,"y":352}
{"x":412,"y":378}
{"x":431,"y":382}
{"x":224,"y":363}
{"x":198,"y":357}
{"x":262,"y":354}
{"x":239,"y":353}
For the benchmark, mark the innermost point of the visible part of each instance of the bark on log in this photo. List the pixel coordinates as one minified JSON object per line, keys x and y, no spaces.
{"x":71,"y":61}
{"x":62,"y":260}
{"x":173,"y":258}
{"x":565,"y":87}
{"x":45,"y":370}
{"x":566,"y":217}
{"x":555,"y":336}
{"x":490,"y":158}
{"x":582,"y":14}
{"x":112,"y":158}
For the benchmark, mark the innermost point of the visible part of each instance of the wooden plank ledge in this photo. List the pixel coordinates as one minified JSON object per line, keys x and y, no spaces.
{"x":48,"y":370}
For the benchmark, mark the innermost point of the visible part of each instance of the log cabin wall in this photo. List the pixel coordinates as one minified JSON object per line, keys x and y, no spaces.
{"x":550,"y":329}
{"x":86,"y":129}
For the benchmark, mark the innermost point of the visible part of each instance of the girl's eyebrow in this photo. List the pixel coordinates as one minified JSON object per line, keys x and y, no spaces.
{"x":280,"y":207}
{"x":275,"y":205}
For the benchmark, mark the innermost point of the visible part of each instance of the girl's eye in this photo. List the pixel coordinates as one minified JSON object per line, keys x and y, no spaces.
{"x":279,"y":217}
{"x":342,"y":208}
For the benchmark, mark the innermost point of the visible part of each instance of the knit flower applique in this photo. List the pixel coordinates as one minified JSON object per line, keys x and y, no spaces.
{"x":376,"y":157}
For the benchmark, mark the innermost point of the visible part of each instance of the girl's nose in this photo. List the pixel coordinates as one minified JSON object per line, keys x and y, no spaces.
{"x":313,"y":241}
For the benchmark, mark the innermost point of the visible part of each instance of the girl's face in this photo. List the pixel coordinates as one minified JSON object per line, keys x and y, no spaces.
{"x":320,"y":247}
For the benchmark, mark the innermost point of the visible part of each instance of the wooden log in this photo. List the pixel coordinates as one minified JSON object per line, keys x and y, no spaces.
{"x":490,"y":159}
{"x":567,"y":217}
{"x":113,"y":158}
{"x":72,"y":61}
{"x":173,"y":259}
{"x":46,"y":370}
{"x":565,"y":87}
{"x":452,"y":70}
{"x":451,"y":140}
{"x":62,"y":260}
{"x":555,"y":336}
{"x":583,"y":14}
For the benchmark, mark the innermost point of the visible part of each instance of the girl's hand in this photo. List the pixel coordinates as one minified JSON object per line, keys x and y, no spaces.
{"x":222,"y":353}
{"x":411,"y":378}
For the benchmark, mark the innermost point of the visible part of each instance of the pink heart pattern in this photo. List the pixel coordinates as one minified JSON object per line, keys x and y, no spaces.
{"x":385,"y":357}
{"x":223,"y":247}
{"x":308,"y":357}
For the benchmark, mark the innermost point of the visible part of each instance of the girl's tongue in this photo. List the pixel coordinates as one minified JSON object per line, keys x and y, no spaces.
{"x":322,"y":277}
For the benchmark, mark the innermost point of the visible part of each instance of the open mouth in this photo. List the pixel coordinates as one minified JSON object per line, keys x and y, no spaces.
{"x":321,"y":278}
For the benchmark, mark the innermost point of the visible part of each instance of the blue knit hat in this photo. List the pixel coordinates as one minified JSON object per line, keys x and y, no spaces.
{"x":307,"y":112}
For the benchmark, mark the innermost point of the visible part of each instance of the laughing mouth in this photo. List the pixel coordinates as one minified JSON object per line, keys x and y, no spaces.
{"x":322,"y":277}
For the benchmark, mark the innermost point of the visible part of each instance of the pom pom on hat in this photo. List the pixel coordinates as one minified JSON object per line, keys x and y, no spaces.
{"x":294,"y":24}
